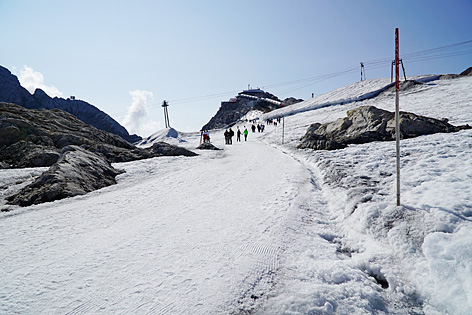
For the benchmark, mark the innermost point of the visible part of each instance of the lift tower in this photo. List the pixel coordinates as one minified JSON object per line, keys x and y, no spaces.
{"x":166,"y":113}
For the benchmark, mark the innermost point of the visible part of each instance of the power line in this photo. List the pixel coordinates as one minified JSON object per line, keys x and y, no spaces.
{"x":423,"y":55}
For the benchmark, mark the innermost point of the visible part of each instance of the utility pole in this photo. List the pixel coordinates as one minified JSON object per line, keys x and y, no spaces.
{"x":362,"y":71}
{"x":397,"y":110}
{"x":166,"y":113}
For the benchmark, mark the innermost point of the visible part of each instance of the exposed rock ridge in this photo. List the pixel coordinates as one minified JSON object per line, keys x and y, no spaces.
{"x":11,"y":91}
{"x":79,"y":154}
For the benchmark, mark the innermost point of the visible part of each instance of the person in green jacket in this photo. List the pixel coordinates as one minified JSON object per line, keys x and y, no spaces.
{"x":245,"y":133}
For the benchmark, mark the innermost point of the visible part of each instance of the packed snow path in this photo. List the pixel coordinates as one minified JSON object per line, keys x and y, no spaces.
{"x":197,"y":235}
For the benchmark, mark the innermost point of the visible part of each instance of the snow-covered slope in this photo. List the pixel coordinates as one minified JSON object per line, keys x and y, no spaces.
{"x":419,"y":249}
{"x":355,"y":92}
{"x":169,"y":135}
{"x":262,"y":227}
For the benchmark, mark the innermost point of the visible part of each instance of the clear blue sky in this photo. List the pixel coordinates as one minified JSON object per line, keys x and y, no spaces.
{"x":100,"y":51}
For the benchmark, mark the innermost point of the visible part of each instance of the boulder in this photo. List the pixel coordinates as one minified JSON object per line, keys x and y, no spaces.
{"x":291,"y":101}
{"x":79,"y":155}
{"x":165,"y":149}
{"x":367,"y":124}
{"x":77,"y":172}
{"x":207,"y":146}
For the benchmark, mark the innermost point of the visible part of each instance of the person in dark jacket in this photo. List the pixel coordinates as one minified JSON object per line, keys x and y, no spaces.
{"x":238,"y":135}
{"x":226,"y":136}
{"x":231,"y":134}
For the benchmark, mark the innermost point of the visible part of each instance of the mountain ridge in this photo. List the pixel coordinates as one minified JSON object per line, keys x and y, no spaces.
{"x":11,"y":91}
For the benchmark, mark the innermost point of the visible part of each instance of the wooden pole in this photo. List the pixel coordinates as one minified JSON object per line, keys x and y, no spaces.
{"x":397,"y":111}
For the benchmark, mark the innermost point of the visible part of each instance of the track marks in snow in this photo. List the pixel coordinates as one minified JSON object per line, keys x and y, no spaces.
{"x":174,"y":236}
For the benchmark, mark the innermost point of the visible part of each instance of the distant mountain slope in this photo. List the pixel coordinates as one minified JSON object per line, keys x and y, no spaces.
{"x":11,"y":91}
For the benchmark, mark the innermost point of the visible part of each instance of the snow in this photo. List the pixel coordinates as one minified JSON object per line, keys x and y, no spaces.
{"x":261,"y":227}
{"x":169,"y":135}
{"x":251,"y":115}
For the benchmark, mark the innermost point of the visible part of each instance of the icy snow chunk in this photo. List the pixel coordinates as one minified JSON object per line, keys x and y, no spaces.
{"x":449,"y":259}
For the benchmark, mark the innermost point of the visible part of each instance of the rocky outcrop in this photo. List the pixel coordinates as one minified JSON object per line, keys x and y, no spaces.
{"x":12,"y":92}
{"x":207,"y":146}
{"x":165,"y":149}
{"x":79,"y":154}
{"x":291,"y":101}
{"x":77,"y":172}
{"x":35,"y":137}
{"x":467,"y":72}
{"x":231,"y":111}
{"x":367,"y":124}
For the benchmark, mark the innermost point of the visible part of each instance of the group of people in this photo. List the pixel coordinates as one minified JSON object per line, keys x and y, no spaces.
{"x":260,"y":128}
{"x":206,"y":136}
{"x":229,"y":134}
{"x":274,"y":121}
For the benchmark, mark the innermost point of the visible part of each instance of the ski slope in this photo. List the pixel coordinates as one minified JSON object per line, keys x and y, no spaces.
{"x":260,"y":227}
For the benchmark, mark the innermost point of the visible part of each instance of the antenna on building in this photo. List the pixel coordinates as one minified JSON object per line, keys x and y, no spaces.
{"x":166,"y":113}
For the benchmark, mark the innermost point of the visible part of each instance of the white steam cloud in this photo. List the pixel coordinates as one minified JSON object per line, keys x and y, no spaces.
{"x":137,"y":120}
{"x":32,"y":80}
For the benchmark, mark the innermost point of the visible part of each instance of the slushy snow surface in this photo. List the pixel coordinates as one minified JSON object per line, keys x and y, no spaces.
{"x":261,"y":227}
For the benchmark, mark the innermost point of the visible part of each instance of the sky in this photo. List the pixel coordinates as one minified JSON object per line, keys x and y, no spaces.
{"x":126,"y":57}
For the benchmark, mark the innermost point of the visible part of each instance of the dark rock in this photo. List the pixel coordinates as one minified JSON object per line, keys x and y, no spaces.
{"x":77,"y":172}
{"x":85,"y":112}
{"x":12,"y":92}
{"x":467,"y":72}
{"x":367,"y":124}
{"x":29,"y":136}
{"x":291,"y":101}
{"x":79,"y":154}
{"x":165,"y":149}
{"x":449,"y":76}
{"x":207,"y":146}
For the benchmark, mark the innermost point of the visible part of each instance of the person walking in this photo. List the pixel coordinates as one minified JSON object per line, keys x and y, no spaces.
{"x":238,"y":135}
{"x":226,"y":136}
{"x":245,"y":133}
{"x":231,"y":134}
